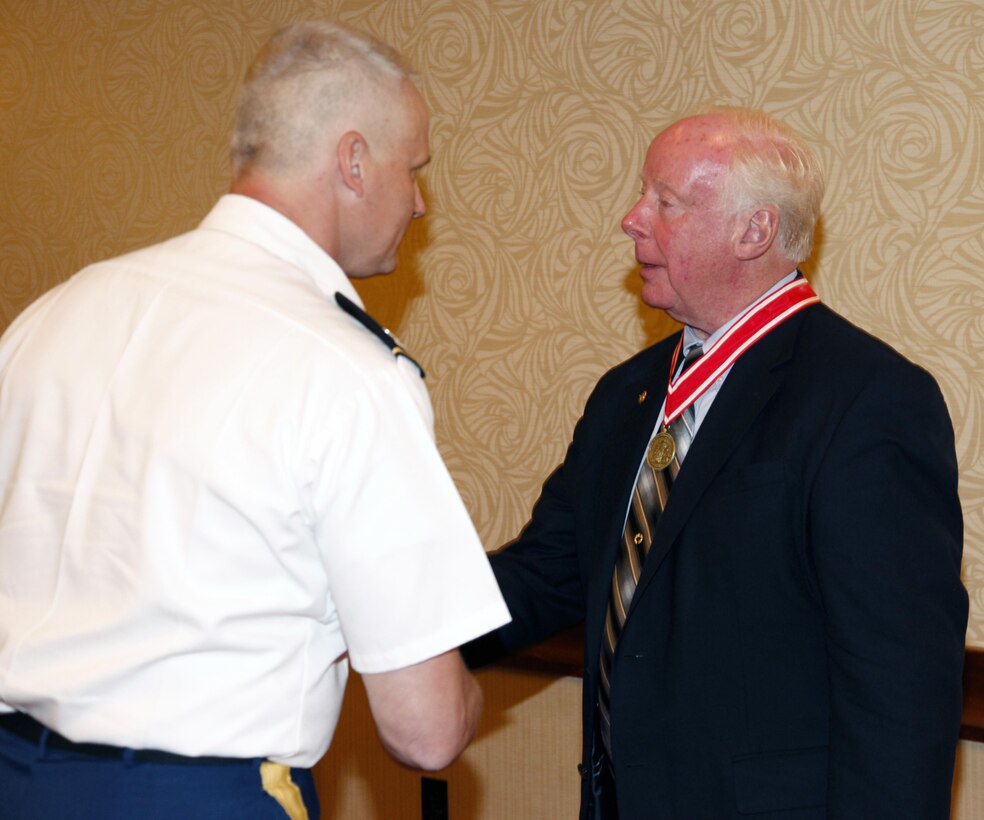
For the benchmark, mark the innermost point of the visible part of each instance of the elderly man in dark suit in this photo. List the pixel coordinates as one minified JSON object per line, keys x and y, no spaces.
{"x":757,"y":521}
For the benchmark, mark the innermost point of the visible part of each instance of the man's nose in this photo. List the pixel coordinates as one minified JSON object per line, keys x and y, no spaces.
{"x":632,"y":223}
{"x":419,"y":206}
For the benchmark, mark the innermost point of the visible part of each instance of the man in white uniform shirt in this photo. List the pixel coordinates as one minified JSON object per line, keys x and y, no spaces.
{"x":219,"y":484}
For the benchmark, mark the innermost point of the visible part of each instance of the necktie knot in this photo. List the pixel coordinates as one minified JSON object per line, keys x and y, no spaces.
{"x":693,"y":353}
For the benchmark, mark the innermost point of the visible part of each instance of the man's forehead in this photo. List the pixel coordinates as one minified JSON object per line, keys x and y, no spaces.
{"x":708,"y":134}
{"x":690,"y":174}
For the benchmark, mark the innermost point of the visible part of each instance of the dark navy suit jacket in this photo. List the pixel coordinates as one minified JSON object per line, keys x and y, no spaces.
{"x":794,"y":648}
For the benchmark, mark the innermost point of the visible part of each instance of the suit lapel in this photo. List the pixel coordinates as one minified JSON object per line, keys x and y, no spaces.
{"x":752,"y":382}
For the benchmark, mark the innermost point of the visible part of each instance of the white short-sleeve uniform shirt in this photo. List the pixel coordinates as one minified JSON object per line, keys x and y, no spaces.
{"x":216,"y":488}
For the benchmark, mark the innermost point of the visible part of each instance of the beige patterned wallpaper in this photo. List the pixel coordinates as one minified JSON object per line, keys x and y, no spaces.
{"x":518,"y":290}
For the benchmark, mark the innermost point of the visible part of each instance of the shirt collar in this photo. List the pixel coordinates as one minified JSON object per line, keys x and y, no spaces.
{"x":690,"y":337}
{"x":251,"y":221}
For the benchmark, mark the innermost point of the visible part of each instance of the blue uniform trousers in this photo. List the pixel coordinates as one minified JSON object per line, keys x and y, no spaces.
{"x":38,"y":782}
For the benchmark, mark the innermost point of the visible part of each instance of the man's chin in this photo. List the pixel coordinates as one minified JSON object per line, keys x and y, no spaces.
{"x":376,"y":270}
{"x":654,"y":298}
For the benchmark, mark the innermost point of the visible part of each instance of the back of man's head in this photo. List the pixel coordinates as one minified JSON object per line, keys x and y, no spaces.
{"x":310,"y":77}
{"x":771,"y":164}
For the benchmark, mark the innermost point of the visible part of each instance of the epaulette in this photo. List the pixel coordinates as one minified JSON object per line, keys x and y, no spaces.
{"x":376,"y":329}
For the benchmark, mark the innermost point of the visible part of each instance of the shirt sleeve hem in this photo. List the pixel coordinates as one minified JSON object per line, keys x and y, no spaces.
{"x":430,"y":646}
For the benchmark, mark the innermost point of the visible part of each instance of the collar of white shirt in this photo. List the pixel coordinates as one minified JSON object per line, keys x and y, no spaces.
{"x":250,"y":220}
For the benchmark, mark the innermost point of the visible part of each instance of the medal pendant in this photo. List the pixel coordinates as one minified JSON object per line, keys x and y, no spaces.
{"x":661,"y":450}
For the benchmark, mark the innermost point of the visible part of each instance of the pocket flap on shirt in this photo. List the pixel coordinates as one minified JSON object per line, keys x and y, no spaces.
{"x":781,"y":780}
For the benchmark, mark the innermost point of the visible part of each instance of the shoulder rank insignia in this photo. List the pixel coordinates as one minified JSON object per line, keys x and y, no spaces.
{"x":376,"y":329}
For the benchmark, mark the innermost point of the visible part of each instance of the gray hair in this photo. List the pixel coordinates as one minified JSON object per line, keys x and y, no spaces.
{"x":303,"y":79}
{"x":770,"y":164}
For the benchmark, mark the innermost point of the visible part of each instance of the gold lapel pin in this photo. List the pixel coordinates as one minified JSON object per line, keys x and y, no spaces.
{"x":642,"y":397}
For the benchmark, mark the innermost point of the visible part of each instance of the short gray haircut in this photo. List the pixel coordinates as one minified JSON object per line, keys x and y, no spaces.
{"x":771,"y":164}
{"x":305,"y":77}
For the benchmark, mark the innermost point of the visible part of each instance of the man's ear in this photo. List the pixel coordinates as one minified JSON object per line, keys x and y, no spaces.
{"x":758,"y":232}
{"x":352,"y":154}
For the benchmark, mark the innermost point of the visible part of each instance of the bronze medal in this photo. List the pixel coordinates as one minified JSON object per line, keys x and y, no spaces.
{"x":661,"y":450}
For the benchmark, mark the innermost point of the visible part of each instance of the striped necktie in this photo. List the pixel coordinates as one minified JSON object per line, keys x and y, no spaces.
{"x":648,"y":500}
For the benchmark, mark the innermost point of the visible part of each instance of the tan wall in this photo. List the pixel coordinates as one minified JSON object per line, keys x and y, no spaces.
{"x":518,"y":290}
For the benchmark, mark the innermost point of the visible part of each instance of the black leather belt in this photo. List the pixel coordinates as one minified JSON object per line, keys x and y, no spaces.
{"x":27,"y":728}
